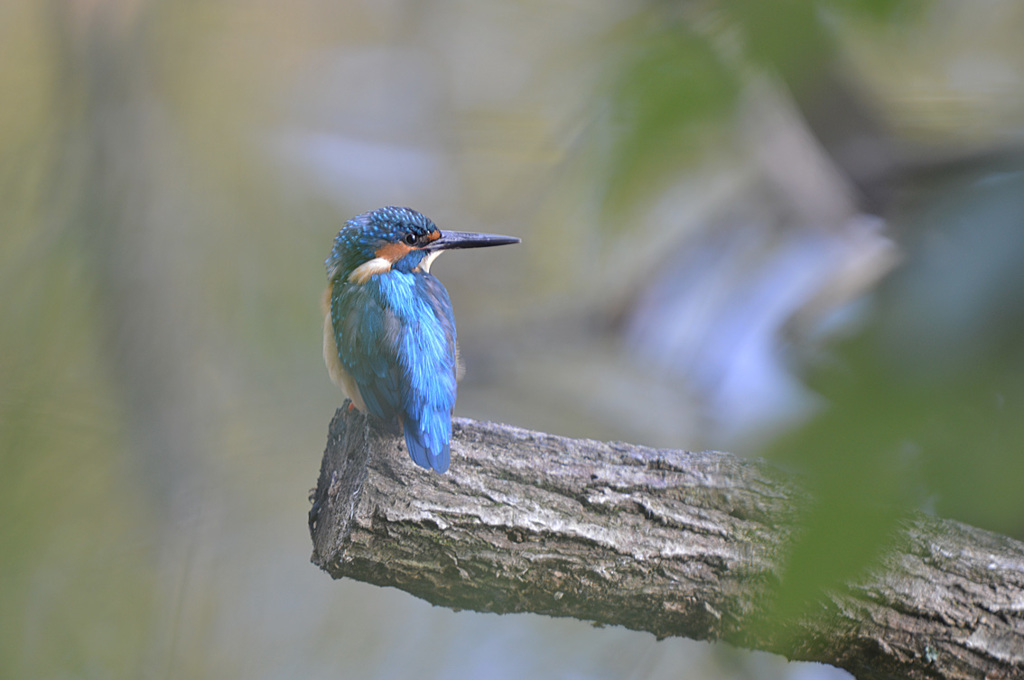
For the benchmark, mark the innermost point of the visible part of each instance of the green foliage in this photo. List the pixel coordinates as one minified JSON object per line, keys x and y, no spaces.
{"x":923,"y":404}
{"x":676,"y":86}
{"x":786,"y":36}
{"x":672,"y":88}
{"x":921,"y":409}
{"x":796,"y":38}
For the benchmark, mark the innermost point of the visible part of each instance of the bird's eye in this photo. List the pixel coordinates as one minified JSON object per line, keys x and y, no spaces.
{"x":410,"y":239}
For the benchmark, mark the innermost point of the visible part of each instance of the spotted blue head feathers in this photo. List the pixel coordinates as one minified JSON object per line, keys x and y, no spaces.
{"x":389,"y":330}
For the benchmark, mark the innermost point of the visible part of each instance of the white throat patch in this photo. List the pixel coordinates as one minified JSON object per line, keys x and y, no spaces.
{"x":429,"y":260}
{"x":363,"y":272}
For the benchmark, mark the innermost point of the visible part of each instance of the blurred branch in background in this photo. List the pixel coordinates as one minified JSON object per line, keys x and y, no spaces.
{"x":112,"y":369}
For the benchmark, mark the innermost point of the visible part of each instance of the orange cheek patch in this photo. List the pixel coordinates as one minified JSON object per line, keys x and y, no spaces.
{"x":433,"y":236}
{"x":393,"y":252}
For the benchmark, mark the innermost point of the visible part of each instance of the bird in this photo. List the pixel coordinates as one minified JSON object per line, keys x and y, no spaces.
{"x":389,"y":328}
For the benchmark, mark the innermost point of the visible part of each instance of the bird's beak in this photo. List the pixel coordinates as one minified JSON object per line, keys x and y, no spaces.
{"x":451,"y":240}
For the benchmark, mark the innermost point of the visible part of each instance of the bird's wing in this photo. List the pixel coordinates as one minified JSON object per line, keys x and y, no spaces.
{"x":429,"y":368}
{"x":367,"y":334}
{"x":397,"y":343}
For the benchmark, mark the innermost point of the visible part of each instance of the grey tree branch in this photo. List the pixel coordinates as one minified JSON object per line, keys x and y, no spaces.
{"x":671,"y":542}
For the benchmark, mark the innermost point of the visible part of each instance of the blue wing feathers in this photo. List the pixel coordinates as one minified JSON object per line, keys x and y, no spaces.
{"x":396,"y":338}
{"x":429,"y":440}
{"x":417,"y":449}
{"x":360,"y":325}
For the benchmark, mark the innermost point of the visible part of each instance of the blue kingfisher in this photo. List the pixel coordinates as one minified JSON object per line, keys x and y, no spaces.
{"x":389,"y":330}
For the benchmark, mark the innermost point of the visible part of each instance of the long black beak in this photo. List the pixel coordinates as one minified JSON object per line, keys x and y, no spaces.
{"x":450,"y":240}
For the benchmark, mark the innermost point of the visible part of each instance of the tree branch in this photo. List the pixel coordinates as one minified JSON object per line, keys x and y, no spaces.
{"x":671,"y":542}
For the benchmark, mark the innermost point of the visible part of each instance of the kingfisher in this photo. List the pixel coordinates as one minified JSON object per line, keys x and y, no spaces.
{"x":389,"y":328}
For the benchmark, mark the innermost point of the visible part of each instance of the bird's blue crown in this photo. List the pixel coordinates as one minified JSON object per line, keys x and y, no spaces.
{"x":361,"y":237}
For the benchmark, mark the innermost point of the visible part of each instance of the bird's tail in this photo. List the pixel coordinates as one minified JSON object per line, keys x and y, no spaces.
{"x":429,"y":447}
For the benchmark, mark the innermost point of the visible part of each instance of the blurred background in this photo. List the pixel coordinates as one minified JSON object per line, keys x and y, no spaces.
{"x":789,"y":229}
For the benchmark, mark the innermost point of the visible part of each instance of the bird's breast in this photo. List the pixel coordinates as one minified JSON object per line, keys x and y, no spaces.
{"x":335,"y":369}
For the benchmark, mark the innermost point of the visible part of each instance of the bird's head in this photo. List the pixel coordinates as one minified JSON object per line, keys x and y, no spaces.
{"x":399,"y":239}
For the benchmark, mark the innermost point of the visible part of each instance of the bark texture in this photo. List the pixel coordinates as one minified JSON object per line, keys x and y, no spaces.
{"x":670,"y":542}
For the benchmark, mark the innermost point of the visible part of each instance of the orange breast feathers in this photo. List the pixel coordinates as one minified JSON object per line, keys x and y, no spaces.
{"x":339,"y":376}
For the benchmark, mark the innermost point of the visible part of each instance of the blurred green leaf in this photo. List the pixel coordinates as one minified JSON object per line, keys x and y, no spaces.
{"x":852,"y":458}
{"x":676,"y":84}
{"x":672,"y":88}
{"x":923,"y":405}
{"x":795,"y":38}
{"x":880,"y":10}
{"x":786,"y":36}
